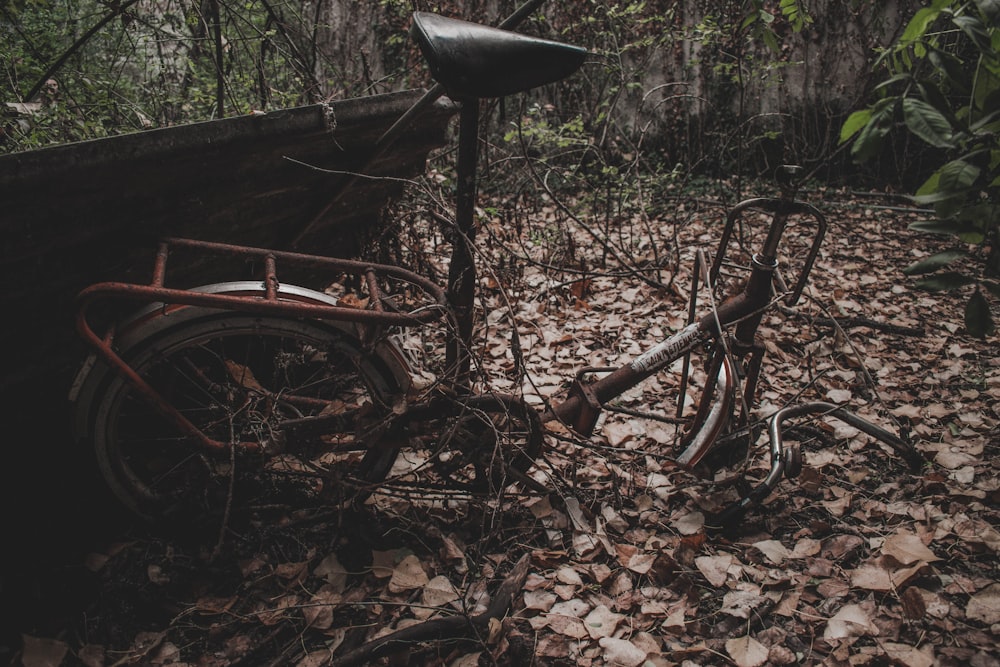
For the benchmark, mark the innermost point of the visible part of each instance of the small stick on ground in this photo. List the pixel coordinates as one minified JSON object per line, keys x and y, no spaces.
{"x":443,"y":629}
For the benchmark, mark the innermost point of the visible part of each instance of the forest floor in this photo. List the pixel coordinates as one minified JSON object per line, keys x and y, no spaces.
{"x":858,"y":561}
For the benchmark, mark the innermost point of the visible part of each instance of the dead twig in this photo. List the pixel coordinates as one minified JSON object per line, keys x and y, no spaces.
{"x":451,"y":628}
{"x":853,"y":322}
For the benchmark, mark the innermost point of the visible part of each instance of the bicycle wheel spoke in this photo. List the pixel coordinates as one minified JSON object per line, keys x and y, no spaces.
{"x":240,"y":380}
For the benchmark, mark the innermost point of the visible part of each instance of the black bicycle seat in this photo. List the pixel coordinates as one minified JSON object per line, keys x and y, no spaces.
{"x":476,"y":61}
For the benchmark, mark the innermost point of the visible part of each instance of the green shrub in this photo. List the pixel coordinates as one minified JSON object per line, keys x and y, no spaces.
{"x":943,"y":85}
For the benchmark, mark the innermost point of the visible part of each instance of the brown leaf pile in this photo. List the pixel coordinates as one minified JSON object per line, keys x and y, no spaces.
{"x":857,"y":562}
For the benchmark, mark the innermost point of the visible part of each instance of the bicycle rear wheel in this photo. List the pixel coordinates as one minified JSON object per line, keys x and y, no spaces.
{"x":238,"y":378}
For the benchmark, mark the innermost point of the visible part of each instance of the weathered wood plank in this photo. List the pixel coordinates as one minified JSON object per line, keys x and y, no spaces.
{"x":80,"y":213}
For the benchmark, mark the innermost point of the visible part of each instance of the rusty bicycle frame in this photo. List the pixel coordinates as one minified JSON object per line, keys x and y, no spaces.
{"x":734,"y":358}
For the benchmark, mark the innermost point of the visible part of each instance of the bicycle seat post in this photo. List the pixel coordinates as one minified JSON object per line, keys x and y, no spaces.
{"x":474,"y":62}
{"x":462,"y":269}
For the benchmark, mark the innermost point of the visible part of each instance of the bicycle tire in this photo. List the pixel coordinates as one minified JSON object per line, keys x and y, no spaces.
{"x":237,"y":376}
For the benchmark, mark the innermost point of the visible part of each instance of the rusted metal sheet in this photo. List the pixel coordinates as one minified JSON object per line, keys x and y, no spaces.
{"x":76,"y":214}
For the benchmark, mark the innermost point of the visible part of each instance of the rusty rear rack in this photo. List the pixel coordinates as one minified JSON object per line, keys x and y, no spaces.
{"x":381,"y":309}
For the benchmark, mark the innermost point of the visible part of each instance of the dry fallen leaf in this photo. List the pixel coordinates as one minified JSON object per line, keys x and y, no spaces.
{"x":409,"y":574}
{"x":952,"y":460}
{"x":622,"y":652}
{"x":569,"y":576}
{"x":715,"y":568}
{"x":334,"y":573}
{"x":42,"y":652}
{"x":272,"y":613}
{"x":640,"y":563}
{"x":839,"y":505}
{"x":773,"y":550}
{"x":243,"y":376}
{"x":871,"y":577}
{"x":675,"y":620}
{"x":318,"y":611}
{"x":618,"y":433}
{"x":565,"y":619}
{"x":469,"y":660}
{"x":315,"y":658}
{"x":540,"y":600}
{"x":850,"y":621}
{"x":293,"y":571}
{"x":383,"y":563}
{"x":741,"y":603}
{"x":914,"y":604}
{"x":902,"y":654}
{"x":805,"y":547}
{"x":746,"y":651}
{"x":439,"y":591}
{"x":690,"y":523}
{"x":602,"y":622}
{"x":907,"y":548}
{"x":984,"y":606}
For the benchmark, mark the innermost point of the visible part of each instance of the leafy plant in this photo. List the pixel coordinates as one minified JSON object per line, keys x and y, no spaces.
{"x":943,"y":85}
{"x":760,"y":21}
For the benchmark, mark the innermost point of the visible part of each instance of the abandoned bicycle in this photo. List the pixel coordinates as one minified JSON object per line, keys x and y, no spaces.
{"x":261,"y":389}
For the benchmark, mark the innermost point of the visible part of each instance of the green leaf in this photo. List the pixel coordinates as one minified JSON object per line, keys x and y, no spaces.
{"x":983,"y":124}
{"x":993,"y":287}
{"x":869,"y":141}
{"x":942,"y":227}
{"x":795,"y":13}
{"x":990,"y":10}
{"x":918,"y":25}
{"x":771,"y":40}
{"x":948,"y":208}
{"x":934,"y":97}
{"x":957,"y":175}
{"x":896,"y":78}
{"x":944,"y":282}
{"x":927,"y":122}
{"x":980,"y":217}
{"x":949,"y":182}
{"x":930,"y":187}
{"x":975,"y":31}
{"x":934,"y":262}
{"x":934,"y":197}
{"x":986,"y":90}
{"x":854,"y":123}
{"x":978,"y":320}
{"x":951,"y":68}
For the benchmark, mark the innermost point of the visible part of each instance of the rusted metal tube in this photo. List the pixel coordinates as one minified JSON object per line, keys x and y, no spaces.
{"x":148,"y":394}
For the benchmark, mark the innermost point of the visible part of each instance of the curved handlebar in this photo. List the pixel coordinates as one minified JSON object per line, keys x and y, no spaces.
{"x":781,"y":209}
{"x":779,"y":460}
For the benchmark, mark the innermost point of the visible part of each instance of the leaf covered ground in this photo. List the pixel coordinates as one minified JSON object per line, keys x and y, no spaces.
{"x":856,"y":562}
